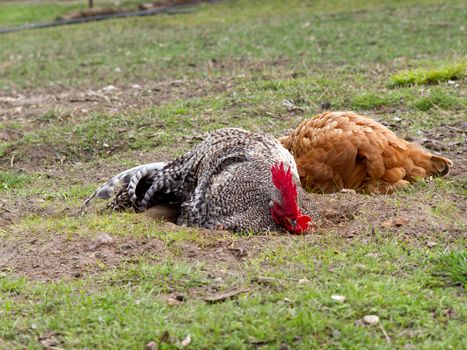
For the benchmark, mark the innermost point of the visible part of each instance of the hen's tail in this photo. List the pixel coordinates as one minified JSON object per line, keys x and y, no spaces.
{"x":440,"y":166}
{"x":422,"y":163}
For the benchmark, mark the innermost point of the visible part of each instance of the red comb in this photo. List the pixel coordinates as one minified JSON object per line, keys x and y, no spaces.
{"x":282,"y":179}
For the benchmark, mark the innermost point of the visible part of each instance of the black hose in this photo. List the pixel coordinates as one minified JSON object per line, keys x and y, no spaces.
{"x":61,"y":22}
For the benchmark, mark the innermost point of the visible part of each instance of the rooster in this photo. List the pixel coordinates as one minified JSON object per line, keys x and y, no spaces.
{"x":343,"y":150}
{"x":233,"y":180}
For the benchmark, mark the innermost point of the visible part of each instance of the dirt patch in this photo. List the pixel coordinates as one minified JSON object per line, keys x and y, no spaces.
{"x":39,"y":109}
{"x":52,"y":256}
{"x":55,"y":256}
{"x":449,"y":140}
{"x":409,"y":218}
{"x":345,"y":216}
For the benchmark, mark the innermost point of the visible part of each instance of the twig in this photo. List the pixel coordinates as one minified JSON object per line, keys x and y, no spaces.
{"x":386,"y":336}
{"x":216,"y":298}
{"x":7,"y":210}
{"x":455,"y":129}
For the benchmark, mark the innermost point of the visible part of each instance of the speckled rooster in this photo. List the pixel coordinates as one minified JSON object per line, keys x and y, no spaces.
{"x":233,"y":180}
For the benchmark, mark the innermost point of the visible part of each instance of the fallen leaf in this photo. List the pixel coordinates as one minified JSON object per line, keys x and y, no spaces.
{"x":186,"y":341}
{"x":397,"y":222}
{"x":165,"y":337}
{"x":150,"y":346}
{"x":172,"y":301}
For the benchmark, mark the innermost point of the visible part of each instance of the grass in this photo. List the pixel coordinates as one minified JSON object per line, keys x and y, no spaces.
{"x":12,"y":13}
{"x":264,"y":66}
{"x":10,"y":180}
{"x":92,"y":312}
{"x":212,"y":43}
{"x":429,"y":76}
{"x":453,"y":266}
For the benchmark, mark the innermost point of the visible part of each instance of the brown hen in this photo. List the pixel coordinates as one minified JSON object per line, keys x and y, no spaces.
{"x":337,"y":150}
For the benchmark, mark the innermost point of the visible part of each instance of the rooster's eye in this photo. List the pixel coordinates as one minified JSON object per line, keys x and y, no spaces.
{"x":292,"y":222}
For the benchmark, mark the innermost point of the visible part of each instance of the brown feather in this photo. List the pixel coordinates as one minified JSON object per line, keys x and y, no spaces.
{"x":337,"y":150}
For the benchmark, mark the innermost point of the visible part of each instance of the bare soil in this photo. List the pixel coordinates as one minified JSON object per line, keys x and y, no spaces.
{"x":344,"y":216}
{"x":28,"y":108}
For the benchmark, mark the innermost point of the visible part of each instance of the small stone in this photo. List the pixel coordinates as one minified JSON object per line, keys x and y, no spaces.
{"x":136,"y":87}
{"x":336,"y":333}
{"x":108,"y":88}
{"x":150,"y":346}
{"x":339,"y":298}
{"x":102,"y":239}
{"x":302,"y":281}
{"x":431,"y":244}
{"x":371,"y":319}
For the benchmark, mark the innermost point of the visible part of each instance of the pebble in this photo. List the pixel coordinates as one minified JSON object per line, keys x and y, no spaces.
{"x":108,"y":88}
{"x":371,"y":319}
{"x":339,"y":298}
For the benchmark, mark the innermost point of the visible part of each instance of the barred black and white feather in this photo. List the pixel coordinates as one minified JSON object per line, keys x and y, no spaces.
{"x":223,"y":182}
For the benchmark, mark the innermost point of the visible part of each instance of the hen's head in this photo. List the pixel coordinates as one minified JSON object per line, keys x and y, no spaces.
{"x":287,"y":213}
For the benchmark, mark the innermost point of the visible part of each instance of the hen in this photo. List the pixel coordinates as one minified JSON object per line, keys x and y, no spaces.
{"x":337,"y":150}
{"x":233,"y":180}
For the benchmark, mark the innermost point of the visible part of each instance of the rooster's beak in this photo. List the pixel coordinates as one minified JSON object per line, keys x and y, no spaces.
{"x":293,"y":223}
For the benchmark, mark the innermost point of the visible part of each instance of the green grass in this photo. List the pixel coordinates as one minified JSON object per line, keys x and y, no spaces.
{"x":453,"y":266}
{"x":12,"y":13}
{"x":225,"y":39}
{"x":429,"y":76}
{"x":107,"y":311}
{"x":11,"y":180}
{"x":262,"y":65}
